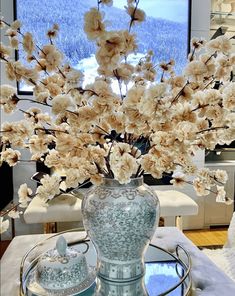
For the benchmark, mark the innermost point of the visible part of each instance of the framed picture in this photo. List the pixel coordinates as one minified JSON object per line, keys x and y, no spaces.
{"x":166,"y":30}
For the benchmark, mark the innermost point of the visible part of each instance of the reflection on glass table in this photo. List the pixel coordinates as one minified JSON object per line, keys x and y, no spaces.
{"x":166,"y":274}
{"x":160,"y":276}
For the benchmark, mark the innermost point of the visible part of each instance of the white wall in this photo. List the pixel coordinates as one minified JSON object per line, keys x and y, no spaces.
{"x":7,"y":12}
{"x":200,"y":23}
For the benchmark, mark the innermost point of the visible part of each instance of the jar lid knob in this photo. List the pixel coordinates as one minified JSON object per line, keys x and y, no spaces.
{"x":61,"y":246}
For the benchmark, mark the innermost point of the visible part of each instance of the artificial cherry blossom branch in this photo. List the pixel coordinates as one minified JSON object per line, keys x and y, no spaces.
{"x":18,"y":31}
{"x":179,"y":93}
{"x":50,"y":130}
{"x":212,"y":129}
{"x":200,"y":107}
{"x":133,"y":15}
{"x":213,"y":79}
{"x":14,"y":207}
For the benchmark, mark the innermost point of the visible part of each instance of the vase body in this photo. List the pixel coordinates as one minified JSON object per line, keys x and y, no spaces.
{"x":120,"y":221}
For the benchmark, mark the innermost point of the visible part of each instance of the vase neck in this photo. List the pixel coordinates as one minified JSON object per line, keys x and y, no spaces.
{"x":135,"y":182}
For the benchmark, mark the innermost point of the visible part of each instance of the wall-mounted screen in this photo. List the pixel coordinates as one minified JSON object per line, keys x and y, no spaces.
{"x":165,"y":31}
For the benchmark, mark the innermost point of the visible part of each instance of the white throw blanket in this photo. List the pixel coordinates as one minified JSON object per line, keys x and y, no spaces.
{"x":225,"y":258}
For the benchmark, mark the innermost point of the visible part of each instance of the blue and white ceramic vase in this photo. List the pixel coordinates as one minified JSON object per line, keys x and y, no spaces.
{"x":120,"y":221}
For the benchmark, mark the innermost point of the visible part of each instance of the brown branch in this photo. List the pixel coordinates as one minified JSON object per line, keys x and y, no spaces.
{"x":213,"y":79}
{"x":82,"y":91}
{"x":46,"y":104}
{"x":41,"y":65}
{"x":163,"y":72}
{"x":8,"y":211}
{"x":199,"y":107}
{"x":98,"y":4}
{"x":138,"y":171}
{"x":115,"y":73}
{"x":50,"y":130}
{"x":62,"y":74}
{"x":26,"y":160}
{"x":103,"y":130}
{"x":133,"y":16}
{"x":141,"y":173}
{"x":212,"y":129}
{"x":36,"y":102}
{"x":193,"y":53}
{"x":214,"y":54}
{"x":179,"y":93}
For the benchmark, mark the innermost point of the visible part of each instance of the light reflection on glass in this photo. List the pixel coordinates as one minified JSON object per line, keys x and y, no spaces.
{"x":160,"y":277}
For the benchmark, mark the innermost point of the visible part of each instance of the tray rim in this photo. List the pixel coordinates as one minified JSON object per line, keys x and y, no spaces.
{"x":175,"y":257}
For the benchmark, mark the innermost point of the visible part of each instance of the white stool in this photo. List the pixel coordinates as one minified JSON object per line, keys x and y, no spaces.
{"x":176,"y":204}
{"x":64,"y":208}
{"x":67,"y":208}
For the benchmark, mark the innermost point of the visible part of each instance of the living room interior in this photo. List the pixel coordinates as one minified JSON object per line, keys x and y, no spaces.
{"x":204,"y":227}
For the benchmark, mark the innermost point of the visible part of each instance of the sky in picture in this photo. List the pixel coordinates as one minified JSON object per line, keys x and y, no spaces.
{"x":165,"y":30}
{"x":173,"y":10}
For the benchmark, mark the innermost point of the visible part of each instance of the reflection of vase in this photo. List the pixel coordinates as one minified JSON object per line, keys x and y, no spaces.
{"x":120,"y":220}
{"x":109,"y":288}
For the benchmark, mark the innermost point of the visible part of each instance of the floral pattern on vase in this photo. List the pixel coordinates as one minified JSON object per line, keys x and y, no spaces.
{"x":120,"y":220}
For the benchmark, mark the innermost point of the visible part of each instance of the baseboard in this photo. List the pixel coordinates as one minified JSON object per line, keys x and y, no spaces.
{"x":211,"y":247}
{"x":225,"y":226}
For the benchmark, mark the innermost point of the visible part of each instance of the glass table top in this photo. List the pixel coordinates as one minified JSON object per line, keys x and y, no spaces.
{"x":165,"y":274}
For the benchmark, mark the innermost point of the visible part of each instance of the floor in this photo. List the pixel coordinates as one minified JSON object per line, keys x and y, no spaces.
{"x":207,"y":237}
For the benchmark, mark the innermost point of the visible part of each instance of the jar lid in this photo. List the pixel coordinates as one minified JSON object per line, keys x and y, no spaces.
{"x":61,"y":267}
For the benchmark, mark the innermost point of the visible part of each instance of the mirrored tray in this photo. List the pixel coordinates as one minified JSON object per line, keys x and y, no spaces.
{"x":167,"y":273}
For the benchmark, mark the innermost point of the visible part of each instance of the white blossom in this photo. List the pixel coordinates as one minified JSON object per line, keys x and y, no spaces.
{"x":94,"y":25}
{"x":4,"y":225}
{"x":49,"y":187}
{"x":24,"y":195}
{"x":221,"y":176}
{"x":61,"y":103}
{"x":14,"y":214}
{"x":221,"y":194}
{"x":10,"y":156}
{"x":200,"y":187}
{"x":178,"y":179}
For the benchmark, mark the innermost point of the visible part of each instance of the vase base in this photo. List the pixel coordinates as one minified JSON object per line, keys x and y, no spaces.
{"x":121,"y":271}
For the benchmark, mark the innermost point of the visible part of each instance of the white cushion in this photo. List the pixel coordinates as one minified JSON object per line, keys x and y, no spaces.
{"x":64,"y":208}
{"x":175,"y":203}
{"x":67,"y":208}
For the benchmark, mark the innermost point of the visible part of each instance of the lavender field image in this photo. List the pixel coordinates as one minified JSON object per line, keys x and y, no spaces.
{"x":165,"y":30}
